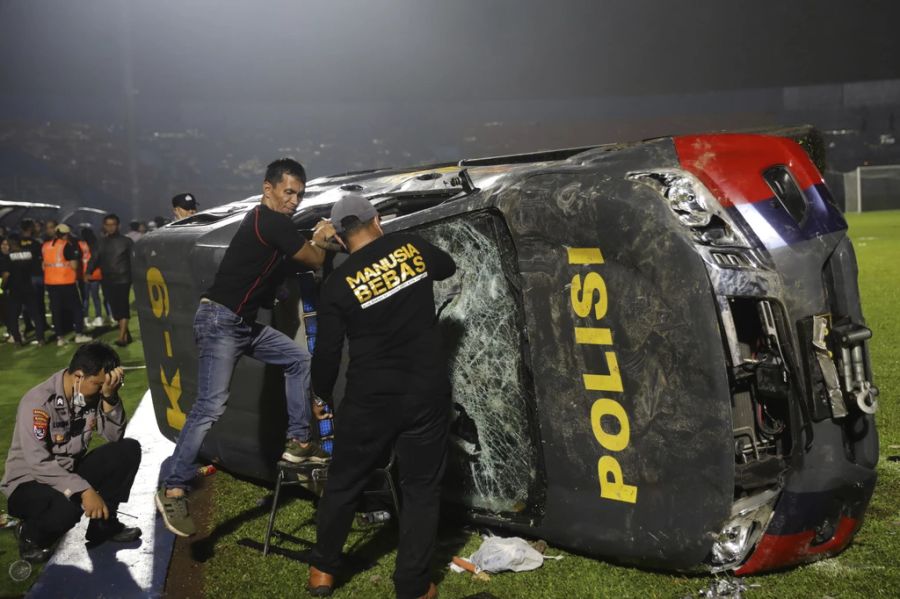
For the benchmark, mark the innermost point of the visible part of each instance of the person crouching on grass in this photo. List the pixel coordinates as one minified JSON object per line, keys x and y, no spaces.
{"x":51,"y":479}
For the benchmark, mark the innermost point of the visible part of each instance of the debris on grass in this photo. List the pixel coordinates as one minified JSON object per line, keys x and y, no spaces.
{"x":20,"y":570}
{"x":462,"y":565}
{"x":482,"y":577}
{"x":726,"y":588}
{"x":498,"y":554}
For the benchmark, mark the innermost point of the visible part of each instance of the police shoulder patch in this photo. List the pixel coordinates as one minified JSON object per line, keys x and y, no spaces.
{"x":40,"y":424}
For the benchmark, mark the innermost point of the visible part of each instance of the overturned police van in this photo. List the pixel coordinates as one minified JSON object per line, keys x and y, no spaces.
{"x":657,"y":349}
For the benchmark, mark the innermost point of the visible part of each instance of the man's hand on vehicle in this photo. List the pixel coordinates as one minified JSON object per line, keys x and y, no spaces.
{"x":323,"y":230}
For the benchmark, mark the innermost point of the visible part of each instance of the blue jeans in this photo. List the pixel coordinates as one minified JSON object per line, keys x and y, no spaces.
{"x":90,"y":292}
{"x":222,"y":338}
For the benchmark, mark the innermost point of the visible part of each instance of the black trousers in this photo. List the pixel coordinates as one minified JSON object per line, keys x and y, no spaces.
{"x":47,"y":514}
{"x":116,"y":295}
{"x":65,"y":306}
{"x":29,"y":316}
{"x":365,"y":429}
{"x":18,"y":299}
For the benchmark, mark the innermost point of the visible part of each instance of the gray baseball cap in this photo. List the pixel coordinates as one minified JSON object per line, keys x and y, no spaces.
{"x":351,"y":204}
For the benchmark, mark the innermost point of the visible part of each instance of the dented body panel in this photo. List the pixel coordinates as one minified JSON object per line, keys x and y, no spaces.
{"x":657,"y":350}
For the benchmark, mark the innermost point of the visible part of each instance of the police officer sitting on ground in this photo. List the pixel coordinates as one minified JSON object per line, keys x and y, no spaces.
{"x":184,"y":205}
{"x":397,"y":394}
{"x":225,"y":328}
{"x":51,"y":479}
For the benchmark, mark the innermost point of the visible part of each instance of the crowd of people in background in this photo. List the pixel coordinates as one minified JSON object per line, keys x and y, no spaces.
{"x":49,"y":264}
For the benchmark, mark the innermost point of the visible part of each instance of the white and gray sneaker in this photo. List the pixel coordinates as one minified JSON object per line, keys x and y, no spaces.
{"x":175,"y":513}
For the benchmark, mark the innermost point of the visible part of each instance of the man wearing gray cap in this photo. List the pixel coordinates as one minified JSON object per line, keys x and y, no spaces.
{"x":398,"y":391}
{"x":184,"y":205}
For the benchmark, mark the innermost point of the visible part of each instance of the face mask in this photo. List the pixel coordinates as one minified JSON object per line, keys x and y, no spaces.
{"x":78,"y":396}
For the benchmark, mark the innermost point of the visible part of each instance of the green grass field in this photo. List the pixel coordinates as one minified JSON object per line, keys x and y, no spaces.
{"x":869,"y":568}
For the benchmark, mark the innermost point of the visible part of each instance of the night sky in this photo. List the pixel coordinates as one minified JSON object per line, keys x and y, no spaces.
{"x":356,"y":72}
{"x":411,"y":50}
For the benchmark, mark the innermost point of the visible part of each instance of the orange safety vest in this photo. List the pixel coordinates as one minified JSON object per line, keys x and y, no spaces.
{"x":57,"y":270}
{"x":85,"y":258}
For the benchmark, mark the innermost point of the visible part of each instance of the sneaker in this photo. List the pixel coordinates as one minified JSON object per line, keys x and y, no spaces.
{"x":80,"y":338}
{"x":61,"y":342}
{"x":87,"y":323}
{"x":98,"y":322}
{"x":296,"y":453}
{"x":175,"y":514}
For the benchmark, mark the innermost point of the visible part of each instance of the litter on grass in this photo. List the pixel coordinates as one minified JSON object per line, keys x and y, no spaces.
{"x":7,"y":521}
{"x":726,"y":588}
{"x":499,"y":554}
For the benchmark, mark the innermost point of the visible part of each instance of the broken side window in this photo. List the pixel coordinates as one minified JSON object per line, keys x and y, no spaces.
{"x":492,"y":460}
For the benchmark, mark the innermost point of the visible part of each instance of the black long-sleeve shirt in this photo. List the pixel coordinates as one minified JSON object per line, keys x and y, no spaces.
{"x":113,"y":257}
{"x":382,"y":299}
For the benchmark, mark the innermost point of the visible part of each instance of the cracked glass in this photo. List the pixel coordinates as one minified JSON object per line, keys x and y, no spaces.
{"x":491,"y":463}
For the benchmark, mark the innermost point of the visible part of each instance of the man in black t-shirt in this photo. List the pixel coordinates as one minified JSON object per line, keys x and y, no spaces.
{"x":398,"y":390}
{"x":29,"y":242}
{"x":225,"y":328}
{"x":16,"y":271}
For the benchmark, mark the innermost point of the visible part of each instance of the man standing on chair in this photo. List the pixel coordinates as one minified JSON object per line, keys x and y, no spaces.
{"x":397,"y":394}
{"x":225,"y":328}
